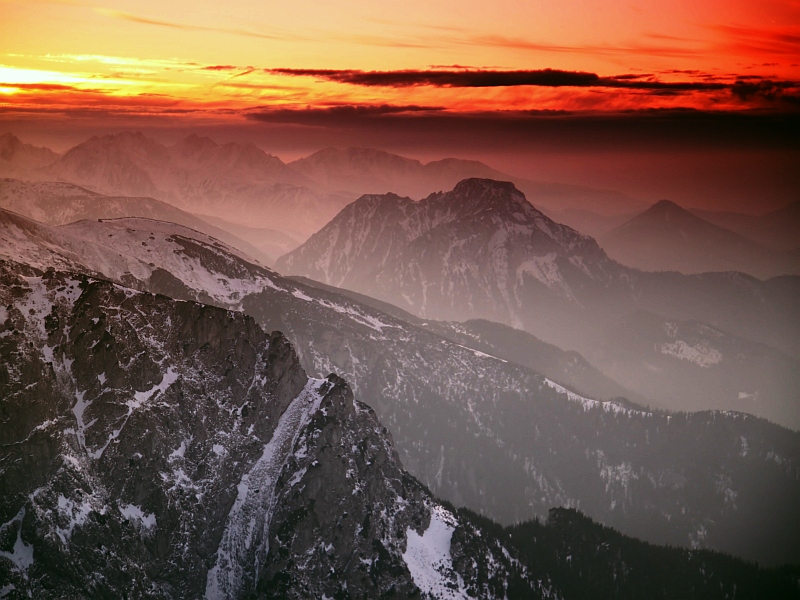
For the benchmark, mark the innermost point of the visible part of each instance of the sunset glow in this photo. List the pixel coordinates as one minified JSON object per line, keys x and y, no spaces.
{"x":201,"y":60}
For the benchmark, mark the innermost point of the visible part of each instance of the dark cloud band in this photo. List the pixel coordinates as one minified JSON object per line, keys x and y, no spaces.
{"x":492,"y":78}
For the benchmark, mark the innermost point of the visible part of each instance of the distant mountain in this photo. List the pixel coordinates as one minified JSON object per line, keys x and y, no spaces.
{"x":369,"y":171}
{"x":480,"y":243}
{"x":17,"y":157}
{"x":163,"y":449}
{"x":568,"y":368}
{"x":667,"y":237}
{"x":779,"y":229}
{"x":482,"y":251}
{"x":480,"y":431}
{"x":688,"y":365}
{"x":358,"y":171}
{"x":236,"y":182}
{"x":58,"y":203}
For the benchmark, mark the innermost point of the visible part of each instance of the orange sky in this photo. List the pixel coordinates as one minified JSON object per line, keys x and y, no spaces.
{"x":213,"y":60}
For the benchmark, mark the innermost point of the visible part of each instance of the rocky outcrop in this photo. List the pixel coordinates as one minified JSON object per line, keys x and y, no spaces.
{"x":154,"y":448}
{"x":175,"y":450}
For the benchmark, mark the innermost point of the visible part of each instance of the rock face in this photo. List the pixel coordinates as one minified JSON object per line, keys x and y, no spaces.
{"x":153,"y":448}
{"x":482,"y":251}
{"x":129,"y":420}
{"x":470,"y":252}
{"x":481,"y":430}
{"x":174,"y":450}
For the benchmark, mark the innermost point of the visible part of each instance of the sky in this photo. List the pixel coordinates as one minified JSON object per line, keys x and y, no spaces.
{"x":509,"y":80}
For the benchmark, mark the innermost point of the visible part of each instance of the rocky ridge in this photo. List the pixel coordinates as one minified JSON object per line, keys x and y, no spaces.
{"x":174,"y":450}
{"x":683,"y":479}
{"x":156,"y":448}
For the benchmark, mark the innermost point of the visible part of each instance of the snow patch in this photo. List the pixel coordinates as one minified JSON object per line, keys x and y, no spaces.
{"x":75,"y":513}
{"x":700,"y":354}
{"x":428,"y":559}
{"x":139,"y":398}
{"x":21,"y":556}
{"x":135,"y":514}
{"x":245,"y":541}
{"x":178,"y":453}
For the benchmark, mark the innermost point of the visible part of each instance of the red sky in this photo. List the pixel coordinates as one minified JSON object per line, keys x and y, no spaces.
{"x":213,"y":58}
{"x":454,"y":77}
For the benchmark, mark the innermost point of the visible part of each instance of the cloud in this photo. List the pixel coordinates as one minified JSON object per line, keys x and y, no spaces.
{"x":771,"y":91}
{"x":337,"y":114}
{"x":125,"y":16}
{"x":220,"y":68}
{"x":549,"y":129}
{"x":47,"y":87}
{"x":782,"y":40}
{"x":493,"y":78}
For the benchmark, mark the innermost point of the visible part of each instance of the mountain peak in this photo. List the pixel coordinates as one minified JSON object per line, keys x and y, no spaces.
{"x":196,"y":142}
{"x":9,"y":138}
{"x":665,"y":205}
{"x":480,"y":185}
{"x":9,"y":145}
{"x":480,"y":194}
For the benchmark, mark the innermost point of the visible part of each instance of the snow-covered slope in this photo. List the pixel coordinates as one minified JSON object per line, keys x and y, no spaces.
{"x":58,"y":203}
{"x":136,"y":252}
{"x":531,"y":445}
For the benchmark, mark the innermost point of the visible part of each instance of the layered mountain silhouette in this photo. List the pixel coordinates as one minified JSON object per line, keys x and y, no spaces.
{"x":531,"y":444}
{"x":589,"y":222}
{"x":236,"y":182}
{"x":369,"y":171}
{"x":232,"y":181}
{"x":779,"y":229}
{"x":483,"y":251}
{"x":667,"y":237}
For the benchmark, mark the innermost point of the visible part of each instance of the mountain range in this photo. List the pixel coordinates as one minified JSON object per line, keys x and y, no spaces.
{"x":460,"y":397}
{"x":483,"y":251}
{"x":154,"y":448}
{"x":778,"y":229}
{"x":241,"y":183}
{"x":480,"y":431}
